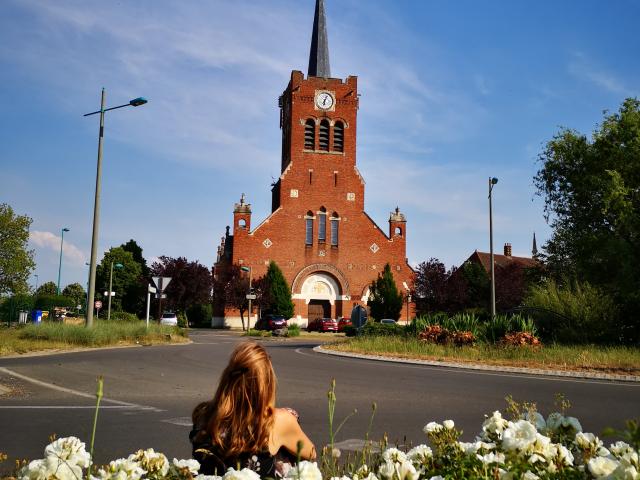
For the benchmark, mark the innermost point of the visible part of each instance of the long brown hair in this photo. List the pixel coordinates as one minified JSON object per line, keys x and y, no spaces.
{"x":240,"y":416}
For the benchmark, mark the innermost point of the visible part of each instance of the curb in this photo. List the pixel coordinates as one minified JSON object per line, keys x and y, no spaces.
{"x":487,"y":368}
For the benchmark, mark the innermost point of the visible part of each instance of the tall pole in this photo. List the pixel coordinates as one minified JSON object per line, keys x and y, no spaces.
{"x":109,"y":292}
{"x":493,"y":273}
{"x":60,"y":264}
{"x":36,"y":282}
{"x":96,"y":218}
{"x":148,"y":303}
{"x":249,"y":320}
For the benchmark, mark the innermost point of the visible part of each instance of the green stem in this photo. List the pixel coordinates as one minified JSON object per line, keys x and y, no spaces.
{"x":99,"y":394}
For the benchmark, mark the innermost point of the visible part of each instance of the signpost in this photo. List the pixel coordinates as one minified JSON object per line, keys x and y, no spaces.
{"x":161,"y":283}
{"x":98,"y":305}
{"x":150,"y":290}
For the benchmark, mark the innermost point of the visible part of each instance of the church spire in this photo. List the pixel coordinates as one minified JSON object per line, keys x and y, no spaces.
{"x":319,"y":53}
{"x":534,"y":250}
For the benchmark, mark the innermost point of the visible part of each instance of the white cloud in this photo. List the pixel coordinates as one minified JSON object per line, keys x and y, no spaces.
{"x":586,"y":69}
{"x":51,"y":241}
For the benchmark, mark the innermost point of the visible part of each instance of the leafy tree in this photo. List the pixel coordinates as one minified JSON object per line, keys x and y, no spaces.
{"x":279,"y":292}
{"x":125,"y":280}
{"x":235,"y":291}
{"x":47,"y":288}
{"x":135,"y":301}
{"x":136,"y":250}
{"x":76,"y":292}
{"x":430,"y":286}
{"x":478,"y":283}
{"x":384,"y":299}
{"x":591,"y":188}
{"x":16,"y":260}
{"x":191,"y":282}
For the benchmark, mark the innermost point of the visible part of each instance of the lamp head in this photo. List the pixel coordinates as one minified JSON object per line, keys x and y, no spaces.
{"x":136,"y":102}
{"x":65,"y":229}
{"x":494,"y":180}
{"x":119,"y":265}
{"x":245,"y":269}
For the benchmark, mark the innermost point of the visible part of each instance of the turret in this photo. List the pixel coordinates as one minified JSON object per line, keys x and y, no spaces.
{"x":397,"y":225}
{"x":242,"y":217}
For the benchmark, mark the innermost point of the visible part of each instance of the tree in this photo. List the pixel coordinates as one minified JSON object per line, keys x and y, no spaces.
{"x":591,"y":189}
{"x":279,"y":292}
{"x":16,"y":260}
{"x":191,"y":282}
{"x":136,"y":250}
{"x":235,"y":291}
{"x":135,"y":300}
{"x":124,"y":280}
{"x":47,"y":288}
{"x":384,"y":299}
{"x":76,"y":292}
{"x":430,"y":286}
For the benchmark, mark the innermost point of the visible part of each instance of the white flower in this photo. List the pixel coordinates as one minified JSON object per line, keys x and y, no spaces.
{"x":207,"y":477}
{"x":122,"y":469}
{"x":155,"y":463}
{"x":394,"y":455}
{"x":490,"y":458}
{"x":448,"y":424}
{"x":529,"y":475}
{"x":537,"y":420}
{"x":69,"y":450}
{"x":620,"y":448}
{"x":420,"y":454}
{"x":535,"y":458}
{"x":192,"y":465}
{"x":494,"y":425}
{"x":519,"y":436}
{"x":601,"y":466}
{"x":344,"y":477}
{"x":564,"y":455}
{"x":335,"y":452}
{"x":437,"y":477}
{"x":244,"y":474}
{"x":305,"y":470}
{"x":35,"y":470}
{"x":398,"y":471}
{"x":432,"y":427}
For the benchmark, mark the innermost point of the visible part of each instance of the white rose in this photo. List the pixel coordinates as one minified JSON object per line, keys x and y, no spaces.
{"x":35,"y":470}
{"x":620,"y":448}
{"x":420,"y":454}
{"x":303,"y":471}
{"x":394,"y":455}
{"x":192,"y":465}
{"x":244,"y":474}
{"x":122,"y":468}
{"x":448,"y":424}
{"x":70,"y":450}
{"x":406,"y":471}
{"x":437,"y":477}
{"x":207,"y":477}
{"x":529,"y":475}
{"x":601,"y":466}
{"x":494,"y":424}
{"x":490,"y":458}
{"x":344,"y":477}
{"x":432,"y":427}
{"x":564,"y":455}
{"x":155,"y":463}
{"x":387,"y":470}
{"x":519,"y":436}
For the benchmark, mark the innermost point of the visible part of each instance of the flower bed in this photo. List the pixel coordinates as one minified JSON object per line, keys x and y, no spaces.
{"x":529,"y":447}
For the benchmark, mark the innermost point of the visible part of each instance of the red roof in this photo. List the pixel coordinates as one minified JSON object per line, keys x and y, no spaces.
{"x":484,"y":259}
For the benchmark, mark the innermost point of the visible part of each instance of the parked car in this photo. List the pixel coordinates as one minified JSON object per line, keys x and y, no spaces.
{"x":344,"y":322}
{"x":323,"y":325}
{"x":271,"y":322}
{"x":388,"y":321}
{"x":169,"y":318}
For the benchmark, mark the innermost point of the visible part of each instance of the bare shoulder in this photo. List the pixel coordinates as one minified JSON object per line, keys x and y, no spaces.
{"x":285,"y":417}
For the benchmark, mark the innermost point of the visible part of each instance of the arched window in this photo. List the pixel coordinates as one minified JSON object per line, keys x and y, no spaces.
{"x":310,"y":134}
{"x":322,"y":225}
{"x":398,"y":231}
{"x":242,"y":223}
{"x":308,"y":237}
{"x":335,"y":225}
{"x":338,"y":137}
{"x":323,"y":136}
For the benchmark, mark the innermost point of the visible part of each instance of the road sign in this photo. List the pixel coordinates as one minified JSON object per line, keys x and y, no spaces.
{"x":161,"y":282}
{"x":106,"y":294}
{"x":164,"y":295}
{"x":251,"y":296}
{"x":152,"y":289}
{"x":97,"y":304}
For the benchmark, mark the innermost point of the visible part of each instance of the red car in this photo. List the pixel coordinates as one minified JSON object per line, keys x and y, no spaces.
{"x":323,"y":325}
{"x":344,"y":322}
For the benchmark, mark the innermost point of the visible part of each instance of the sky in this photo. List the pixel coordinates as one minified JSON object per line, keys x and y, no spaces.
{"x":452,"y":93}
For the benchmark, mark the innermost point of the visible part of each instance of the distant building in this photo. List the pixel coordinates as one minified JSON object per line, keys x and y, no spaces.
{"x":502,"y":261}
{"x":318,"y":232}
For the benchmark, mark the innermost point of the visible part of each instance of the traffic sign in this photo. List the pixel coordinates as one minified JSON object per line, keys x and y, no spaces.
{"x":152,"y":289}
{"x":161,"y":282}
{"x":158,"y":295}
{"x":251,"y":296}
{"x":106,"y":294}
{"x":97,"y":304}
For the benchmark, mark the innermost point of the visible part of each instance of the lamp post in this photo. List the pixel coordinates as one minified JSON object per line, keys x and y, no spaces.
{"x":248,"y":269}
{"x":36,"y":275}
{"x":492,"y":182}
{"x":136,"y":102}
{"x":60,"y":264}
{"x":110,"y":293}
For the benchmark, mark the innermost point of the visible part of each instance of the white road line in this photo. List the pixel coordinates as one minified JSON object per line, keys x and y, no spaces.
{"x":65,"y":407}
{"x":181,"y":421}
{"x":467,"y":371}
{"x":75,"y":392}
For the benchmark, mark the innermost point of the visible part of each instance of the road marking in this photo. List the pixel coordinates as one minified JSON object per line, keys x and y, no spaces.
{"x":65,"y":407}
{"x":181,"y":421}
{"x":469,"y":371}
{"x":76,"y":392}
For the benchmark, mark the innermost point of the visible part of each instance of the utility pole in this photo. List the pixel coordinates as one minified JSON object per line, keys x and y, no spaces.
{"x":492,"y":182}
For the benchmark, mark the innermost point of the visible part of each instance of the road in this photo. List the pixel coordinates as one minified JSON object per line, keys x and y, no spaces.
{"x":150,"y":392}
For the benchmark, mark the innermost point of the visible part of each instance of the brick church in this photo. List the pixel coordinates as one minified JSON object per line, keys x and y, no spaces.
{"x":318,"y":232}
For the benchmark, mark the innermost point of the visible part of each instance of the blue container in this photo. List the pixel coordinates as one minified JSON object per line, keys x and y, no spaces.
{"x":36,"y":315}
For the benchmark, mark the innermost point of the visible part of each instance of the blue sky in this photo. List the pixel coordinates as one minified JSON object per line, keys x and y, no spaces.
{"x":452,"y":92}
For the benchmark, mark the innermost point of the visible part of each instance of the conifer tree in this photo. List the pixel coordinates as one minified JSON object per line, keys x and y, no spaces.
{"x":384,"y":299}
{"x":279,"y":292}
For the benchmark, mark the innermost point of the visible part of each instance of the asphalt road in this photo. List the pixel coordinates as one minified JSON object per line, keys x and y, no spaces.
{"x":150,"y":392}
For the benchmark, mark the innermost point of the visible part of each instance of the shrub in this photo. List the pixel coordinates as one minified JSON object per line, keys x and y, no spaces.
{"x":381,"y":329}
{"x":124,"y":317}
{"x":574,"y":312}
{"x":200,"y":314}
{"x":293,"y":330}
{"x":49,"y":302}
{"x":182,"y":320}
{"x":518,"y":339}
{"x":462,"y":338}
{"x":434,"y":334}
{"x":463,"y":322}
{"x":350,"y":331}
{"x":11,"y":306}
{"x":496,"y":328}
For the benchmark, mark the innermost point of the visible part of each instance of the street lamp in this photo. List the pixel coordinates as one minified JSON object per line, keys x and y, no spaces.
{"x":110,"y":293}
{"x":136,"y":102}
{"x":249,"y":295}
{"x":60,"y":264}
{"x":492,"y":182}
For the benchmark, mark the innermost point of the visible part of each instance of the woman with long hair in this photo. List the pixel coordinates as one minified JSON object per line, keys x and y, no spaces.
{"x":241,"y":427}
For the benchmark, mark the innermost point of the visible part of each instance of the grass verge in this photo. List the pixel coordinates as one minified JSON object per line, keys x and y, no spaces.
{"x":58,"y":336}
{"x":616,"y":360}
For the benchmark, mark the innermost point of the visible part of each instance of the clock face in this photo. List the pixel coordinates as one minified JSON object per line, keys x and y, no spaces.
{"x":324,"y":100}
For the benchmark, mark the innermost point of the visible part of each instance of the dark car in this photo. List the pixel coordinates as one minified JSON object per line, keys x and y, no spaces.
{"x":344,"y":322}
{"x":323,"y":325}
{"x":271,"y":322}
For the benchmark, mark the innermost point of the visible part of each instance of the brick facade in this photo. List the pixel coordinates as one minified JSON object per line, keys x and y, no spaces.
{"x":319,"y":178}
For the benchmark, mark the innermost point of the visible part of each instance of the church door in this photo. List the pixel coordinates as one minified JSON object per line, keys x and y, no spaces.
{"x":319,"y":309}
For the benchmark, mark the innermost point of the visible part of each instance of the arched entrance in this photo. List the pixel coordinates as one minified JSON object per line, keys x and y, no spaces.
{"x":319,"y":292}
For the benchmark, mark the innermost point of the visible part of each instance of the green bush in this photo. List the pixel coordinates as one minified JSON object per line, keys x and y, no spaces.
{"x":373,"y":328}
{"x":293,"y":330}
{"x":124,"y":317}
{"x":11,"y":306}
{"x":463,"y":322}
{"x":200,"y":315}
{"x":350,"y":331}
{"x":574,"y":312}
{"x":182,"y":320}
{"x":49,"y":302}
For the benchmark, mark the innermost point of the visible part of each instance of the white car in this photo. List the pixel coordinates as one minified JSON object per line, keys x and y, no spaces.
{"x":388,"y":321}
{"x":169,"y":318}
